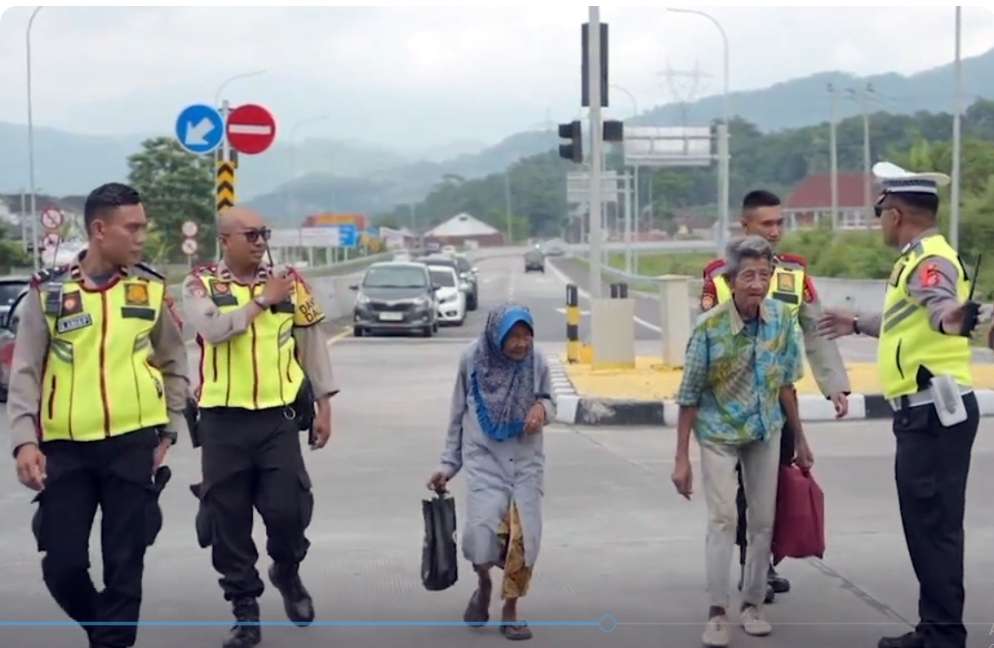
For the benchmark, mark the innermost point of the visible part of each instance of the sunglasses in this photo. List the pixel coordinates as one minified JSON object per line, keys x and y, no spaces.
{"x":253,"y":235}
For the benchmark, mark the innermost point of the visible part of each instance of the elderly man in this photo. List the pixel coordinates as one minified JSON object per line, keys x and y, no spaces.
{"x":741,"y":363}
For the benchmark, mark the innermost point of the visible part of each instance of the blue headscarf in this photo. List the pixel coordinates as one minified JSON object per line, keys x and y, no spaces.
{"x":504,"y":389}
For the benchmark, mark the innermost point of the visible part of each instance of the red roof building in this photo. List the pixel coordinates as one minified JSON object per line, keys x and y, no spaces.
{"x":810,"y":204}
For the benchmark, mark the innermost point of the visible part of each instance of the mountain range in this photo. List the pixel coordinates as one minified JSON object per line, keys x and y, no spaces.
{"x":350,"y":175}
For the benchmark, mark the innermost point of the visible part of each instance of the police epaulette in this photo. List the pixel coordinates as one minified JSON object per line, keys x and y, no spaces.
{"x":47,"y":274}
{"x":204,"y":269}
{"x":711,"y":269}
{"x":796,"y":259}
{"x":144,"y":267}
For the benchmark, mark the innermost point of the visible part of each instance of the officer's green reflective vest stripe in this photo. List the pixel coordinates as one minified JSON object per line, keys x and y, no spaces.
{"x":98,"y":381}
{"x":257,"y":369}
{"x":907,"y":339}
{"x":786,"y":285}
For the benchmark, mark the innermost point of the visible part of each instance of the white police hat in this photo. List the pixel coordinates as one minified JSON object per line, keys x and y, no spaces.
{"x":894,"y":179}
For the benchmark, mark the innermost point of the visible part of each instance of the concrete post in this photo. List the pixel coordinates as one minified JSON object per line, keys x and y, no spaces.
{"x":674,"y":299}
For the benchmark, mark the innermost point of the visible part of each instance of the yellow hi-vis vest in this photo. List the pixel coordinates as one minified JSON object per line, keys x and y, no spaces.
{"x":257,"y":369}
{"x":786,"y":285}
{"x":98,"y":381}
{"x":907,"y":340}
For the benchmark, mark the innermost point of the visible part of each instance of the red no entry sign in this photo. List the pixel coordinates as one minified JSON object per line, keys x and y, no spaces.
{"x":251,"y":129}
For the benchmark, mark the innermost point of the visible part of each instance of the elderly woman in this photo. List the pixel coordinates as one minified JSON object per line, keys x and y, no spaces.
{"x":500,"y":404}
{"x":741,"y":363}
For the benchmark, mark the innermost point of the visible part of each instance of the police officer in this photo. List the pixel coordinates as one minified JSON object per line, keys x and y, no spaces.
{"x":257,"y":327}
{"x":791,"y":284}
{"x":97,"y":389}
{"x":924,"y":344}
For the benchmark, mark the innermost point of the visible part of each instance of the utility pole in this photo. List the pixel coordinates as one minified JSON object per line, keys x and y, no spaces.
{"x":834,"y":159}
{"x":507,"y":204}
{"x":861,"y":96}
{"x":957,"y":108}
{"x":596,"y":144}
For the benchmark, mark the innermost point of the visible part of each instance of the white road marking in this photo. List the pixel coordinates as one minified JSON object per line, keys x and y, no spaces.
{"x":585,"y":295}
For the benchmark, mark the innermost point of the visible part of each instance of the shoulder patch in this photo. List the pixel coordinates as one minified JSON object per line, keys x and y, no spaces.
{"x":795,"y":259}
{"x":204,"y":269}
{"x":714,"y":268}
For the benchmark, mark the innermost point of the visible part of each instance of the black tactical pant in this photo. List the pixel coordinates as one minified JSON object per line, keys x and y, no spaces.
{"x":116,"y":475}
{"x":931,"y":469}
{"x":786,"y":457}
{"x":252,"y":458}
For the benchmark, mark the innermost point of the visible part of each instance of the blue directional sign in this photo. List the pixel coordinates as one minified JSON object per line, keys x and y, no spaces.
{"x":348,"y":236}
{"x":199,"y":128}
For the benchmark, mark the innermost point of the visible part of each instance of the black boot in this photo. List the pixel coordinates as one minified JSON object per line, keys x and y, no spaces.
{"x":779,"y":584}
{"x":296,"y":600}
{"x":909,"y":640}
{"x":771,"y":594}
{"x":246,"y":631}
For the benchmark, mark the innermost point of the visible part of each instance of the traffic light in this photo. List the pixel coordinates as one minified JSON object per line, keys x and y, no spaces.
{"x":574,"y":150}
{"x":614,"y":131}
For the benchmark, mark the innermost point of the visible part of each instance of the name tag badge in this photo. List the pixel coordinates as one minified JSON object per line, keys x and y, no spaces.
{"x":74,"y":323}
{"x":785,"y":282}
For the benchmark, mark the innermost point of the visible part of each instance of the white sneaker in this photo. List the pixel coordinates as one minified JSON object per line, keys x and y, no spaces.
{"x":754,"y":622}
{"x":716,"y":632}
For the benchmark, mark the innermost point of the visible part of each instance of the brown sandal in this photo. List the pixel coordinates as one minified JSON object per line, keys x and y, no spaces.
{"x":516,"y":631}
{"x":476,"y":616}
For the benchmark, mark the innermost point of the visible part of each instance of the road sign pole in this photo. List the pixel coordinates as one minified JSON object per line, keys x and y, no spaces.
{"x":225,"y":157}
{"x":596,"y":135}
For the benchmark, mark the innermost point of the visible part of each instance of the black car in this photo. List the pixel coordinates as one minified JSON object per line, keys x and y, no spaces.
{"x":395,"y":297}
{"x":469,"y":274}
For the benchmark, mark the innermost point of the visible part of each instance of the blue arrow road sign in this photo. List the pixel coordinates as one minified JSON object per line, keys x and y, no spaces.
{"x":348,"y":236}
{"x":199,"y":128}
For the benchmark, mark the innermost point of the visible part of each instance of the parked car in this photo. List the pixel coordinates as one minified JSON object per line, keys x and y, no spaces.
{"x":10,"y":289}
{"x":534,"y":260}
{"x":470,"y":275}
{"x":395,"y":297}
{"x":8,"y":331}
{"x":451,"y":300}
{"x":449,"y":250}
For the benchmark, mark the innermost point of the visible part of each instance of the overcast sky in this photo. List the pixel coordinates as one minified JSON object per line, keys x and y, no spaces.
{"x":409,"y":78}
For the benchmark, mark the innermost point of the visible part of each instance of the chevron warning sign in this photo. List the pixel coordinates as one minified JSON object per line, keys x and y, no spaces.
{"x":225,"y":185}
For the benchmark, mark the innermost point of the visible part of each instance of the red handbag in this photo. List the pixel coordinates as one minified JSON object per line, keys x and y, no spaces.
{"x":799,"y":526}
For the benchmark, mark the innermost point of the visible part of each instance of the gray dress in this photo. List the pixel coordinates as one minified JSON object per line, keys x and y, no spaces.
{"x":496,"y":471}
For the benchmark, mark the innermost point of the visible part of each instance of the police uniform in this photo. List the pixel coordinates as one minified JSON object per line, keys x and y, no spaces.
{"x":250,"y":375}
{"x":792,"y":285}
{"x":933,"y":460}
{"x":98,"y":376}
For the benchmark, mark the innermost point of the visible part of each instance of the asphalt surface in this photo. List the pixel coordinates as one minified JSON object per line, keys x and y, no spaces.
{"x":622,"y":560}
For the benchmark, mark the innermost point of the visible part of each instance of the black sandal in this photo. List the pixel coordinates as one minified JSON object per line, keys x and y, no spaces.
{"x":476,"y":615}
{"x":516,"y":631}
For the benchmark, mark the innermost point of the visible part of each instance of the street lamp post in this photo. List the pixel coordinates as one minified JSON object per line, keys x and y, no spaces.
{"x":629,"y":192}
{"x":957,"y":108}
{"x":31,"y":146}
{"x":723,"y":134}
{"x":225,"y":148}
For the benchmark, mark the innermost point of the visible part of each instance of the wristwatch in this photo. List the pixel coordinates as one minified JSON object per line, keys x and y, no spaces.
{"x":168,"y":434}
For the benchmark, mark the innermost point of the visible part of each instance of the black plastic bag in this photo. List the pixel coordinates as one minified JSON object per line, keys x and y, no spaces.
{"x":439,"y":568}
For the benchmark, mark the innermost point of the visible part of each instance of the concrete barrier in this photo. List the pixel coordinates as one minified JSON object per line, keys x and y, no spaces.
{"x":674,"y":306}
{"x":612,"y":333}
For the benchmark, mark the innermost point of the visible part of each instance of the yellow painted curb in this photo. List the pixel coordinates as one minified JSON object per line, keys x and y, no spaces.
{"x":651,"y":380}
